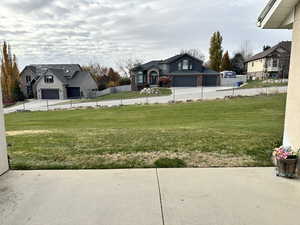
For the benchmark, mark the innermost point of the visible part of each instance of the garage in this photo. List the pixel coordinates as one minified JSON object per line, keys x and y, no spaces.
{"x":73,"y":92}
{"x":184,"y":81}
{"x":50,"y":93}
{"x":211,"y":80}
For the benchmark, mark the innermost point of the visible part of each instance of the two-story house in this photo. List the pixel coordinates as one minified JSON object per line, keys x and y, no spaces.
{"x":183,"y":70}
{"x":273,"y":62}
{"x":56,"y":81}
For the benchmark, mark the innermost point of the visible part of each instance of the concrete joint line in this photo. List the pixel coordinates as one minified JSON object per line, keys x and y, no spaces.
{"x":160,"y":199}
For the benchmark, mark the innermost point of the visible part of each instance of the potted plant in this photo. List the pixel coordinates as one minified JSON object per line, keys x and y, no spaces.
{"x":286,"y":161}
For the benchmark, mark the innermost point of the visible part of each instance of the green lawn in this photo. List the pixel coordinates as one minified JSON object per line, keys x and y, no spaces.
{"x":122,"y":95}
{"x":237,"y":132}
{"x":260,"y":84}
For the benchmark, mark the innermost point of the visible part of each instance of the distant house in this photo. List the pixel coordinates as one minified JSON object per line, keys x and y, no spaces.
{"x":56,"y":81}
{"x":182,"y":70}
{"x":274,"y":62}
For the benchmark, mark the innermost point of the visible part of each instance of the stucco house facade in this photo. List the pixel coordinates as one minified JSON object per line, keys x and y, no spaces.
{"x":285,"y":14}
{"x":182,"y":70}
{"x":56,"y":81}
{"x":273,"y":62}
{"x":3,"y":150}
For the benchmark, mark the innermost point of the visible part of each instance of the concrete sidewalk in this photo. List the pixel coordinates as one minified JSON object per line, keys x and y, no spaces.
{"x":179,"y":94}
{"x":239,"y":196}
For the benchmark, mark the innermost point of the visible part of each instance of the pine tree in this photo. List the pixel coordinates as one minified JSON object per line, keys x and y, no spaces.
{"x":226,"y":64}
{"x":216,"y":51}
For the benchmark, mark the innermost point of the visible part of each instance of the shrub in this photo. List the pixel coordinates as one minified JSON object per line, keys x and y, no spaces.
{"x":125,"y":81}
{"x":112,"y":84}
{"x":169,"y":163}
{"x":164,"y":82}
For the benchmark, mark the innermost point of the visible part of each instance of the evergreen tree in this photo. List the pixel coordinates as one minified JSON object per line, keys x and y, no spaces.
{"x":266,"y":47}
{"x":238,"y":63}
{"x":226,"y":64}
{"x":216,"y":51}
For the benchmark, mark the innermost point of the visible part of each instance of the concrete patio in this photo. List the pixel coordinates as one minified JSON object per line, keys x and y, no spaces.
{"x":239,"y":196}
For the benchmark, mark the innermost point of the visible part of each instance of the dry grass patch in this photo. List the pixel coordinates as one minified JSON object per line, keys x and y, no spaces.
{"x":27,"y":132}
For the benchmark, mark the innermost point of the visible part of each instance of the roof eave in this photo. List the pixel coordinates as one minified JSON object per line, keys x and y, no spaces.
{"x":277,"y":15}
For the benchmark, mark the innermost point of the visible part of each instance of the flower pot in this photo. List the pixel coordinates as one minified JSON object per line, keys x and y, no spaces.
{"x":286,"y":168}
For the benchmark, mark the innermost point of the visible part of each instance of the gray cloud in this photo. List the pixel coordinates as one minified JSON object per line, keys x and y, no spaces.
{"x":81,"y":31}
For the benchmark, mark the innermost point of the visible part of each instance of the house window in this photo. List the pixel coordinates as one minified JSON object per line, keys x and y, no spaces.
{"x":140,"y":78}
{"x":180,"y":66}
{"x":275,"y":64}
{"x":185,"y":64}
{"x":28,"y":79}
{"x":49,"y":79}
{"x":252,"y":64}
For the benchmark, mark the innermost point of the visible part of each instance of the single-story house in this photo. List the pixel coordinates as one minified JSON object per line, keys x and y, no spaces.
{"x":273,"y":62}
{"x":183,"y":70}
{"x":56,"y":81}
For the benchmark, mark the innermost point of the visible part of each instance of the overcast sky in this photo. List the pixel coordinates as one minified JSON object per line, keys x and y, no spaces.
{"x":104,"y":31}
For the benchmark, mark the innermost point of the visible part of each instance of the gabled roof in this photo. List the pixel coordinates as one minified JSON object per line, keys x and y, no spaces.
{"x":68,"y":69}
{"x":151,"y":64}
{"x":156,"y":63}
{"x":176,"y":57}
{"x":287,"y":45}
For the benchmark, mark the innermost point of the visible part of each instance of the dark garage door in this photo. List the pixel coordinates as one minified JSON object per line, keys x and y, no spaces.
{"x":50,"y":94}
{"x":73,"y":92}
{"x":211,"y":80}
{"x":184,"y":81}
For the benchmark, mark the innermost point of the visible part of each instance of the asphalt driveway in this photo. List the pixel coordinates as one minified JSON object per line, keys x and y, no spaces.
{"x":244,"y":196}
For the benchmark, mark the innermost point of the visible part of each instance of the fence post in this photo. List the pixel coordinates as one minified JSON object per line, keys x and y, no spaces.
{"x":24,"y":106}
{"x":121,"y":100}
{"x":174,"y":97}
{"x":267,"y":91}
{"x":47,"y":105}
{"x":202,"y":92}
{"x":233,"y":91}
{"x":71,"y":103}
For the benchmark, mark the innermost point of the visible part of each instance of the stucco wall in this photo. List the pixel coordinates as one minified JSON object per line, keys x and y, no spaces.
{"x":292,"y":119}
{"x":23,"y":84}
{"x":86,"y":83}
{"x":3,"y":150}
{"x":57,"y":84}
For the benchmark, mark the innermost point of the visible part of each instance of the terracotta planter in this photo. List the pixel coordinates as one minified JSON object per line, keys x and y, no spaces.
{"x":286,"y":168}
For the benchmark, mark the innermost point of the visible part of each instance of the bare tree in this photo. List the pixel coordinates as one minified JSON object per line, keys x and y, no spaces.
{"x":126,"y":64}
{"x":194,"y":52}
{"x":246,"y":49}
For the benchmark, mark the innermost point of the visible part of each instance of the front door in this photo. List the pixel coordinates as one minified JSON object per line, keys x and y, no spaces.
{"x":153,"y":78}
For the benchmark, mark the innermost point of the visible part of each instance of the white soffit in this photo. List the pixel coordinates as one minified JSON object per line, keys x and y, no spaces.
{"x":280,"y":16}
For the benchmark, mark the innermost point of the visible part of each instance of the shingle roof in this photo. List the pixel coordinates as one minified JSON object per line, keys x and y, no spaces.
{"x":156,"y":63}
{"x":284,"y":44}
{"x":153,"y":63}
{"x":69,"y":69}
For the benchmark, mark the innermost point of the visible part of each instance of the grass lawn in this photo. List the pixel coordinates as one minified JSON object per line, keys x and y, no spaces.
{"x":122,"y":95}
{"x":260,"y":84}
{"x":236,"y":132}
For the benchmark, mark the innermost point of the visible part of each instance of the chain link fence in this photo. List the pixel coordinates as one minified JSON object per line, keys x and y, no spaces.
{"x":178,"y":95}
